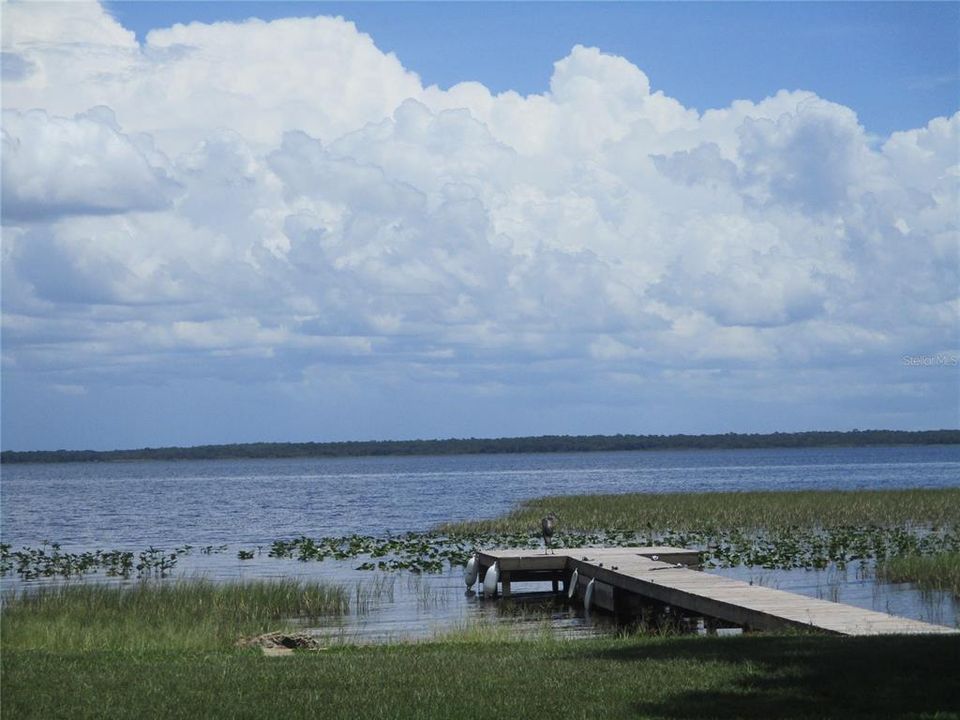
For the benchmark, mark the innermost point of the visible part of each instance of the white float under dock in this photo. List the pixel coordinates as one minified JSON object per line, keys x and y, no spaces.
{"x":625,"y":576}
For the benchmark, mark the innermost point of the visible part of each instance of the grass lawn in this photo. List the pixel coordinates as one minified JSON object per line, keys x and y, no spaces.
{"x":682,"y":677}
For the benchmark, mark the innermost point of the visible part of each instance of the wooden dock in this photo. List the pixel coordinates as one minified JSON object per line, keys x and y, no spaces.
{"x":626,"y":576}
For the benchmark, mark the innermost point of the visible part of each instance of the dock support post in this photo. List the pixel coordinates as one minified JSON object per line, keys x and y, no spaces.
{"x":505,"y":584}
{"x":556,"y":585}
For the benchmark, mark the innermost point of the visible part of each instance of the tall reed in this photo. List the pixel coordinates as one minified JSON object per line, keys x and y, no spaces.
{"x":189,"y":614}
{"x":929,"y":572}
{"x":728,"y":510}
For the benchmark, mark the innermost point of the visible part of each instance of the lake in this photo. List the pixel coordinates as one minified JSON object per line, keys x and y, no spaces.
{"x":244,"y":503}
{"x":87,"y":505}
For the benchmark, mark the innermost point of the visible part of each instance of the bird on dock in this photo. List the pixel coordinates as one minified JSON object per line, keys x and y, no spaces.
{"x":548,"y":526}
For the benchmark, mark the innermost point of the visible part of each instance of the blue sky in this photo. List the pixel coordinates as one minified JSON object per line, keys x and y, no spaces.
{"x":476,"y":219}
{"x":896,"y":63}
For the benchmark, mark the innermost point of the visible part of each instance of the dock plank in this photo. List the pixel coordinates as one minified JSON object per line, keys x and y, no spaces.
{"x":663,"y":574}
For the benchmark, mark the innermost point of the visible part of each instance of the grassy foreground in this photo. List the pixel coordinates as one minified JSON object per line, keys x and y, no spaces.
{"x":168,"y":652}
{"x":700,"y":512}
{"x":742,"y":677}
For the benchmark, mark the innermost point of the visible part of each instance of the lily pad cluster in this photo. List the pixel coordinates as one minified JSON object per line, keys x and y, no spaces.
{"x":813,"y":548}
{"x":434,"y":552}
{"x":51,"y":560}
{"x":416,"y":552}
{"x":786,"y":548}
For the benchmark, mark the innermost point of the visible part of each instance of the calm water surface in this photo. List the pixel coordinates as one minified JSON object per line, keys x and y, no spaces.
{"x":243,"y":503}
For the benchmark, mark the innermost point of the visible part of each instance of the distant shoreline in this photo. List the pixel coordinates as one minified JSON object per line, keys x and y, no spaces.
{"x":496,"y":446}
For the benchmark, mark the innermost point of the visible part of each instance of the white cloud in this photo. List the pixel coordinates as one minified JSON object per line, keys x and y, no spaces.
{"x":319,"y":75}
{"x":815,"y":158}
{"x":62,"y":28}
{"x":272,"y":197}
{"x":55,"y":166}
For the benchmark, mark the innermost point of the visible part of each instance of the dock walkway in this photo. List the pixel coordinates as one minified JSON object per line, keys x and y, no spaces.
{"x":665,"y":575}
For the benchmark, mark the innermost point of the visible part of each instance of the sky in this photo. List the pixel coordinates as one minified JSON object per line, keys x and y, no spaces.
{"x":236,"y":222}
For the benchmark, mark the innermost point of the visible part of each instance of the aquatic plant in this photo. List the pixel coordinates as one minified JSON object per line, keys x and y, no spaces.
{"x":719,"y":511}
{"x":52,"y":560}
{"x":939,"y":571}
{"x":211,"y":549}
{"x":784,"y":548}
{"x":368,"y":595}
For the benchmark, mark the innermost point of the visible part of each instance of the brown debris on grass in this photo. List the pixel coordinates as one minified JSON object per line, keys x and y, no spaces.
{"x":279,"y":641}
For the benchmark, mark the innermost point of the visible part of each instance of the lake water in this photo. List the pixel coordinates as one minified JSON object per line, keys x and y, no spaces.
{"x":243,"y":503}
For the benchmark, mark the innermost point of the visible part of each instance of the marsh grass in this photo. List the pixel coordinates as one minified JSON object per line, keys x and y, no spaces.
{"x":930,"y":572}
{"x":368,"y":595}
{"x":427,"y":595}
{"x":183,"y":615}
{"x":706,"y":512}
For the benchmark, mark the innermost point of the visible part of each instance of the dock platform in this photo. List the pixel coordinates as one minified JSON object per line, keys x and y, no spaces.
{"x":625,"y":576}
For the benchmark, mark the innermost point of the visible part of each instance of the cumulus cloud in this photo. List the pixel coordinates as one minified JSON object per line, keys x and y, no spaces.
{"x":277,"y":198}
{"x":55,"y":166}
{"x":259,"y":79}
{"x":815,"y":158}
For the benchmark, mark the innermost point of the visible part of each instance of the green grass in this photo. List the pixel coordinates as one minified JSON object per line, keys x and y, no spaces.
{"x":930,"y":572}
{"x":186,"y":615}
{"x":745,"y":677}
{"x":704,"y":512}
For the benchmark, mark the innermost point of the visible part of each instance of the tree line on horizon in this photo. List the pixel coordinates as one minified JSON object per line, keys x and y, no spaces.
{"x":479,"y":446}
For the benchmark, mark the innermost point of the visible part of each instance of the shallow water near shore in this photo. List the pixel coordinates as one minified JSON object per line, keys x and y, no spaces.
{"x":409,"y":607}
{"x":245,"y":505}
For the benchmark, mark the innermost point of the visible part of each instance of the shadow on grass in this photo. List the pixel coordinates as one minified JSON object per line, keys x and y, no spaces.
{"x":807,"y":676}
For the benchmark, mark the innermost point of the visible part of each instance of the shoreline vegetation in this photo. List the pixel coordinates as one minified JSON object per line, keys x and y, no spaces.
{"x":771,"y":530}
{"x":182,"y":648}
{"x":728,"y":511}
{"x":182,"y":615}
{"x":510,"y":445}
{"x":939,"y":572}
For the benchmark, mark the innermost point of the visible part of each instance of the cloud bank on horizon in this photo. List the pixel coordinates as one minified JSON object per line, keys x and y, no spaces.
{"x":283,"y":206}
